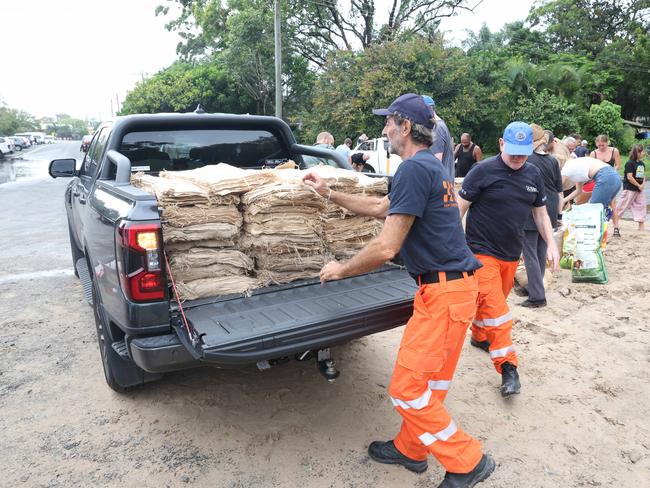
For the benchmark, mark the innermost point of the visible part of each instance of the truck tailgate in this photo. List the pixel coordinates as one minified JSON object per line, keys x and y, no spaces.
{"x":282,"y":320}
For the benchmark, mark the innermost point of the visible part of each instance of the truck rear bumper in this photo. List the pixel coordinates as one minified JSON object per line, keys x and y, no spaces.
{"x":160,"y":354}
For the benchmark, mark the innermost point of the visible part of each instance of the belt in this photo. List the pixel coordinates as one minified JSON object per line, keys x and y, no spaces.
{"x":434,"y":276}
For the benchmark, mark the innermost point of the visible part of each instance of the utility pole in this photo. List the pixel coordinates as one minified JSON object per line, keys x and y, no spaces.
{"x":278,"y":63}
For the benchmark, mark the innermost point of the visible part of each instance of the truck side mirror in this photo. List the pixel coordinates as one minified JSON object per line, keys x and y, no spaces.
{"x":63,"y":168}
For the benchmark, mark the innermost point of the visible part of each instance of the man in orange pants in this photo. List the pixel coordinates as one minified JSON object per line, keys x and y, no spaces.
{"x":423,"y":224}
{"x":500,"y":194}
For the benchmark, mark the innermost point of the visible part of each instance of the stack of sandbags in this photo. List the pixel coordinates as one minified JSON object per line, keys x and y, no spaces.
{"x":282,"y":229}
{"x":344,"y":232}
{"x":200,"y":229}
{"x":191,"y":215}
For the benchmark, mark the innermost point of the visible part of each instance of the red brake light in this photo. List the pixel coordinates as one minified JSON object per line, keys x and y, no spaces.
{"x":139,"y":261}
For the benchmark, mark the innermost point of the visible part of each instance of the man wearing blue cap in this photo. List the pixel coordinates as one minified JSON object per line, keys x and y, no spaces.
{"x":442,"y":143}
{"x":500,"y":193}
{"x":423,"y":224}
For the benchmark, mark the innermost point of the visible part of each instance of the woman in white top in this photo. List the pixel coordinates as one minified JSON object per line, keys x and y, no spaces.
{"x":607,"y":182}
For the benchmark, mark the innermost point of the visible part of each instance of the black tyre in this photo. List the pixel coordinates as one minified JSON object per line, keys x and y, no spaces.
{"x":121,"y":373}
{"x":109,"y":356}
{"x":77,"y":253}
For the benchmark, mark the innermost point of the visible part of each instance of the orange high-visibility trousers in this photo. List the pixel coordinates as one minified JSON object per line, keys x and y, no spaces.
{"x":427,"y":358}
{"x":493,"y":322}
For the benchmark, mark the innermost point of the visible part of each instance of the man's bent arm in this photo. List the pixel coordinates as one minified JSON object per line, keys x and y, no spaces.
{"x":361,"y":205}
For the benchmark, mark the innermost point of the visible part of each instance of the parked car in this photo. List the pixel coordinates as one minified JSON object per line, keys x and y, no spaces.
{"x":85,"y":142}
{"x":10,"y":143}
{"x":4,"y":147}
{"x":22,"y":141}
{"x":49,"y":140}
{"x":18,"y":143}
{"x":31,"y":138}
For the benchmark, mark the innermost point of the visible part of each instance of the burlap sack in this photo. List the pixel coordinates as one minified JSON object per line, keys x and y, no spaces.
{"x":200,"y":232}
{"x":175,"y":193}
{"x":177,"y":216}
{"x":212,"y":287}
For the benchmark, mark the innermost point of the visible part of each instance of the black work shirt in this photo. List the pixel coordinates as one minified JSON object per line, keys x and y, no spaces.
{"x":552,"y":177}
{"x":501,"y":200}
{"x":435,"y":242}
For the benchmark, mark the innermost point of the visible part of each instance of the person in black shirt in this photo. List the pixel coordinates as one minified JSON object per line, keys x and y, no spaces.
{"x":534,"y":245}
{"x":633,"y":195}
{"x":499,"y":194}
{"x":466,"y":155}
{"x":423,"y":224}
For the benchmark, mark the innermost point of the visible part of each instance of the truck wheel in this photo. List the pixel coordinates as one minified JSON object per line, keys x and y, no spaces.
{"x":107,"y":353}
{"x":77,"y":253}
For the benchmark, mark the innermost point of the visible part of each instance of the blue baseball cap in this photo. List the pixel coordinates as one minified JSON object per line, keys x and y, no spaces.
{"x":518,"y":139}
{"x":410,"y":106}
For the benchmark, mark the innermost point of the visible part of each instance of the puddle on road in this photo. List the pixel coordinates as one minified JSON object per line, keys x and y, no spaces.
{"x":17,"y":170}
{"x":13,"y":278}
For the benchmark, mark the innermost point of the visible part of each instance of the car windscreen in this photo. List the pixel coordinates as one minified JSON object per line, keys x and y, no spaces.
{"x":174,"y":150}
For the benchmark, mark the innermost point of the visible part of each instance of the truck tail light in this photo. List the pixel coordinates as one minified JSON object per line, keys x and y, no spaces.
{"x":139,"y":263}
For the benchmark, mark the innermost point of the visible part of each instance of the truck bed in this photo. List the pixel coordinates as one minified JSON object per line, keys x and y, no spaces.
{"x":281,"y":320}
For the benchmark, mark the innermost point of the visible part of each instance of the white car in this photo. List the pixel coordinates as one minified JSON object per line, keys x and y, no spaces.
{"x":380,"y":160}
{"x":5,"y":147}
{"x":49,"y":140}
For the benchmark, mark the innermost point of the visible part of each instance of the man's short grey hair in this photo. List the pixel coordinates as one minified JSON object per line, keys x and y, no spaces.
{"x":569,"y":140}
{"x":419,"y":133}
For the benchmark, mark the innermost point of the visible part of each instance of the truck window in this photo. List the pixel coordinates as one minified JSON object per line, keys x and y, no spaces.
{"x":175,"y":150}
{"x":91,"y":161}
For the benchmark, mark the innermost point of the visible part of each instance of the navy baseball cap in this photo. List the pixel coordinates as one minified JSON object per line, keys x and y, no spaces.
{"x":518,"y":138}
{"x":410,"y":106}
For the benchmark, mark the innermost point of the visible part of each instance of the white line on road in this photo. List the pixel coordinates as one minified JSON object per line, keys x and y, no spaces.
{"x":38,"y":274}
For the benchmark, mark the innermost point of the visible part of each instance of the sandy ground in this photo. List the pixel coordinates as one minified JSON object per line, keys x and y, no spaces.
{"x":581,"y":420}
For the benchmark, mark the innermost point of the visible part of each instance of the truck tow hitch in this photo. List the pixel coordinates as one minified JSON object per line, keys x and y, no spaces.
{"x":326,"y":365}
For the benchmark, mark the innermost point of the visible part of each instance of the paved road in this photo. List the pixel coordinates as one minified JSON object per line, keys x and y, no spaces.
{"x":33,"y":238}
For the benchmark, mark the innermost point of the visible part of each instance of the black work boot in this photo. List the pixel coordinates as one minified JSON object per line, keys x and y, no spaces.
{"x":485,"y":345}
{"x":509,"y":380}
{"x":481,"y":472}
{"x":387,"y":453}
{"x":533,"y":303}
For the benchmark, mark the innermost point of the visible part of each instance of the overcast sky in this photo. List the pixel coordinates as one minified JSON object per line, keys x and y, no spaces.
{"x":78,"y":56}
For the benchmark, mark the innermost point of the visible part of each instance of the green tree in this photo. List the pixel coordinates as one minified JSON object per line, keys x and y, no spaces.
{"x":547,"y":110}
{"x":605,"y":118}
{"x":181,"y":87}
{"x":12,"y":120}
{"x":589,"y":25}
{"x":312,"y":29}
{"x":355,"y":83}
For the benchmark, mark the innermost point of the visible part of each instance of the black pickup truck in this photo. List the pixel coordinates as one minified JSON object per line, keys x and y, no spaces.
{"x":142,"y":330}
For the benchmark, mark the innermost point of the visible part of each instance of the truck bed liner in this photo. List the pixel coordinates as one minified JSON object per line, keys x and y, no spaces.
{"x":283,"y":320}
